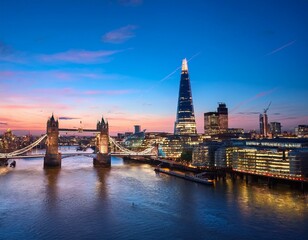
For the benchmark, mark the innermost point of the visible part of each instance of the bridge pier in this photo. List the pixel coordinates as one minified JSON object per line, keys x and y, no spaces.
{"x":52,"y":157}
{"x":103,"y":158}
{"x":3,"y":162}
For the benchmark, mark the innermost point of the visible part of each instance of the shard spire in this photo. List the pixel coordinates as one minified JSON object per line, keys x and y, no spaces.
{"x":184,"y":65}
{"x":185,"y":123}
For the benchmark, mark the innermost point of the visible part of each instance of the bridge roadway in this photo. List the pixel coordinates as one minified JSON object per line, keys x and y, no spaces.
{"x":65,"y":155}
{"x":78,"y":130}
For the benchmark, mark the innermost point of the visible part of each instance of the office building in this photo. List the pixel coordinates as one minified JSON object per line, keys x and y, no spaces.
{"x":185,"y":119}
{"x":275,"y":128}
{"x":216,"y":122}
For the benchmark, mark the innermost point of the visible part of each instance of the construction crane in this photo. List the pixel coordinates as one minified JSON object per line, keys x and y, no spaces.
{"x":265,"y":110}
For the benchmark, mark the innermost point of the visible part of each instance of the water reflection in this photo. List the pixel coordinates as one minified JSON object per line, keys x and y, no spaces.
{"x":51,"y":187}
{"x":250,"y":197}
{"x":130,"y":201}
{"x":101,"y":185}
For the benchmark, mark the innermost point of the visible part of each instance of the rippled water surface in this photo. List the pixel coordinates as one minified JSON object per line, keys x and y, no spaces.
{"x":130,"y":201}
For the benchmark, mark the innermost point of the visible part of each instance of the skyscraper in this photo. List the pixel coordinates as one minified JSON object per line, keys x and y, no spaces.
{"x":222,"y":111}
{"x":263,"y":121}
{"x":185,"y":119}
{"x":211,"y":123}
{"x":216,"y":122}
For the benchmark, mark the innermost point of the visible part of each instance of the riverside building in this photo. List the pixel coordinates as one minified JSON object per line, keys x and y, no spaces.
{"x":282,"y":157}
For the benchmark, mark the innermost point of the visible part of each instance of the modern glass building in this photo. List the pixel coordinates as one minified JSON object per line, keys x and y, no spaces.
{"x":216,"y":122}
{"x":185,"y":119}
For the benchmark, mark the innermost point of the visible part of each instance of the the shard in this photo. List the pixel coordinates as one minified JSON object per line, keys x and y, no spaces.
{"x":185,"y":123}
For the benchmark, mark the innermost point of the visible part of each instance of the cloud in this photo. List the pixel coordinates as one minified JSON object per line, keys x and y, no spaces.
{"x":8,"y":54}
{"x":280,"y":48}
{"x":120,"y":35}
{"x":79,"y":56}
{"x":130,"y":2}
{"x":248,"y":113}
{"x":257,"y":96}
{"x":3,"y":123}
{"x":109,"y":92}
{"x":67,"y":118}
{"x":5,"y":49}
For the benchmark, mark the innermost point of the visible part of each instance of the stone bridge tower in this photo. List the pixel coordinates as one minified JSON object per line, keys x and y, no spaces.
{"x":102,"y":159}
{"x":52,"y":157}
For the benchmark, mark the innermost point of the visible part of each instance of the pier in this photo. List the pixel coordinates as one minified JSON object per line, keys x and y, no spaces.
{"x":193,"y":178}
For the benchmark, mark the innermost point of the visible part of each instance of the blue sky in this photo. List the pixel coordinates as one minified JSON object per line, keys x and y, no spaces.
{"x":84,"y":59}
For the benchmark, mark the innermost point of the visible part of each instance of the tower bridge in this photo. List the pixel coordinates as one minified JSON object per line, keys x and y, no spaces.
{"x":101,"y":157}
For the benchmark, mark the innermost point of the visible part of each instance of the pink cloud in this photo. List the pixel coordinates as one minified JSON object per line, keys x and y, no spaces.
{"x":78,"y":56}
{"x":120,"y":35}
{"x":257,"y":96}
{"x":42,"y":105}
{"x":5,"y":74}
{"x":108,"y":92}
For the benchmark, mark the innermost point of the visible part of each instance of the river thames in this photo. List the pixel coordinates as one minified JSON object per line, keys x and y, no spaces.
{"x":131,"y":201}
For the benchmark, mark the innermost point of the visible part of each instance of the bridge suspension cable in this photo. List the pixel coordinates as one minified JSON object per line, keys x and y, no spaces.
{"x":147,"y":151}
{"x":25,"y":149}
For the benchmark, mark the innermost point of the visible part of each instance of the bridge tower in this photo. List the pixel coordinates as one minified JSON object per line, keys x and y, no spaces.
{"x":52,"y":157}
{"x":103,"y":158}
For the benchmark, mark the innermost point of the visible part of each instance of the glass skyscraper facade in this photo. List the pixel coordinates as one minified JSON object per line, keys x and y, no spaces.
{"x":185,"y":119}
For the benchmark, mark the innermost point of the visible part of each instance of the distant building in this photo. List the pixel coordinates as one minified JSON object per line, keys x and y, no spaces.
{"x":137,"y":128}
{"x":275,"y":128}
{"x":222,"y":111}
{"x":216,"y":122}
{"x":263,"y":121}
{"x":211,"y":123}
{"x":301,"y":131}
{"x":185,"y":119}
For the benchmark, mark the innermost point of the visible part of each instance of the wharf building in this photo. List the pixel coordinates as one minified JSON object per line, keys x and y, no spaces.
{"x":216,"y":122}
{"x":282,"y":157}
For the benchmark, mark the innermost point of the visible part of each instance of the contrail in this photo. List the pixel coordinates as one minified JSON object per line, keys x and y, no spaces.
{"x":259,"y":95}
{"x":198,"y":53}
{"x":173,"y":72}
{"x":280,"y":48}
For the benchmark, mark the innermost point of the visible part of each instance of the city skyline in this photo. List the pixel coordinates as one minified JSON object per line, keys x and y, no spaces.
{"x":121,"y":59}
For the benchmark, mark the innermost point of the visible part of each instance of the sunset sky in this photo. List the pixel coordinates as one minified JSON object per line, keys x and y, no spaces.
{"x":81,"y":59}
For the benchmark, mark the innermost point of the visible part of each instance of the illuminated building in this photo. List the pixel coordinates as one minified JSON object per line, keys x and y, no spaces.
{"x":222,"y":111}
{"x":275,"y":128}
{"x":261,"y":161}
{"x":298,"y":162}
{"x":216,"y":122}
{"x":173,"y":146}
{"x":185,"y":119}
{"x":204,"y":154}
{"x":211,"y":123}
{"x":281,"y":157}
{"x":301,"y":131}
